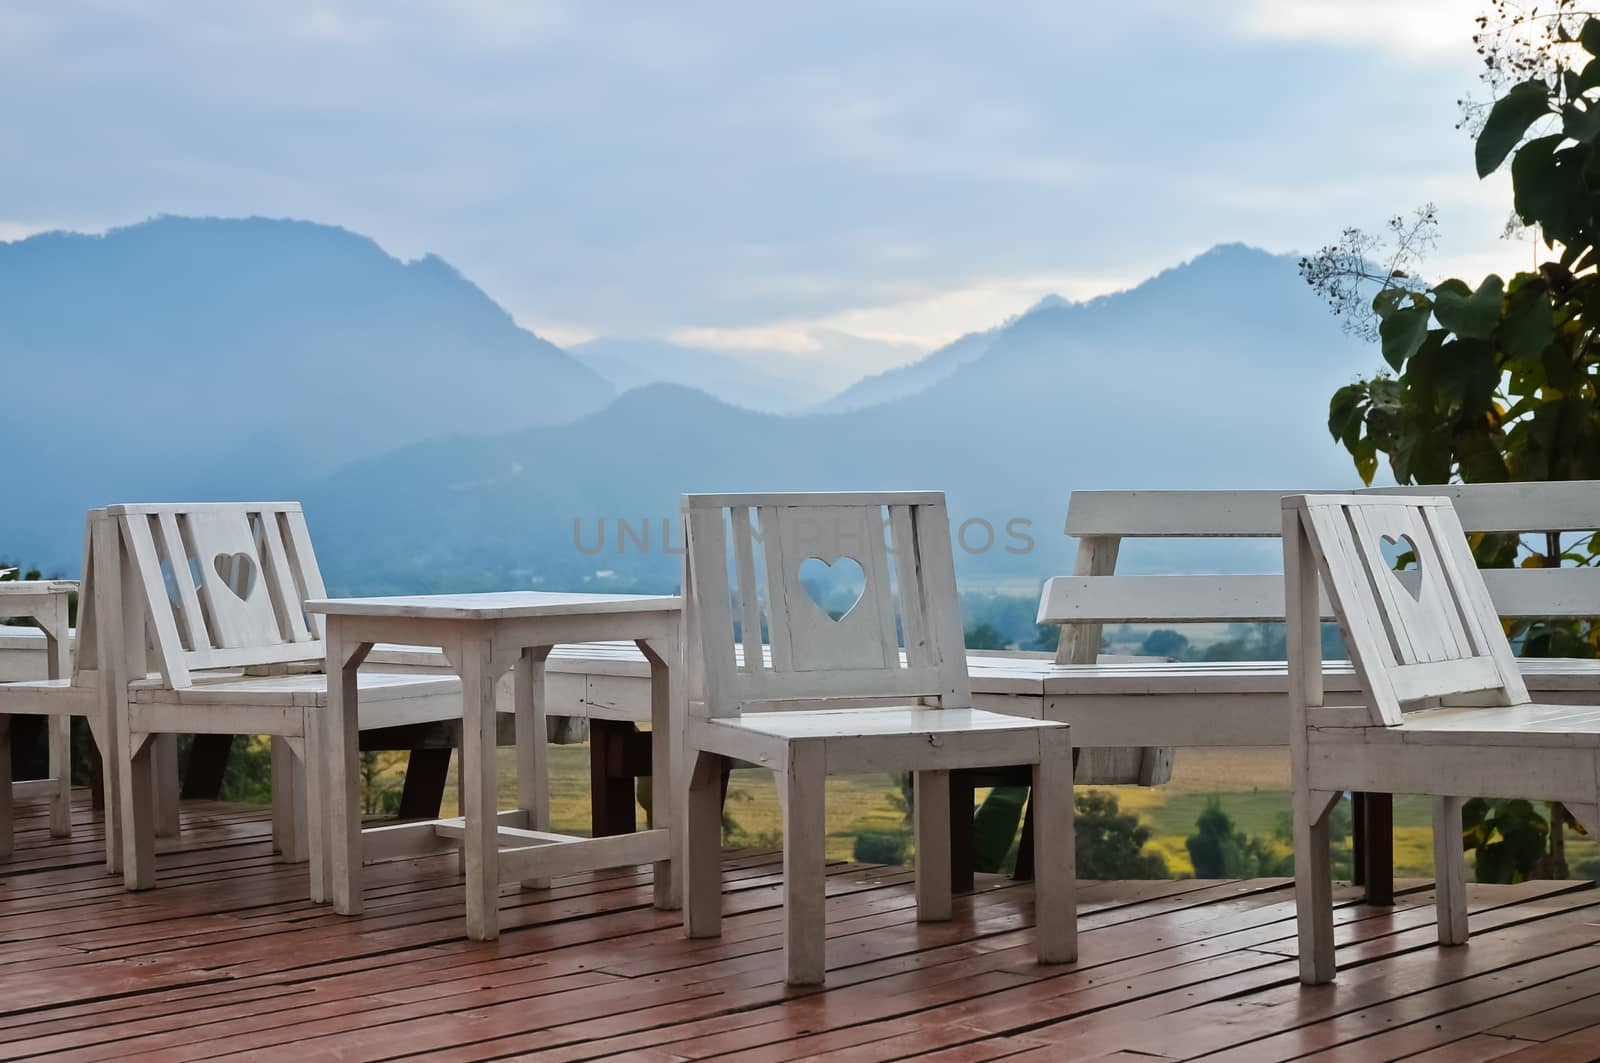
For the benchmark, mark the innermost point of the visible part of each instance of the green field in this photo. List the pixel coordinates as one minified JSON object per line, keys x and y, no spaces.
{"x":1252,"y":786}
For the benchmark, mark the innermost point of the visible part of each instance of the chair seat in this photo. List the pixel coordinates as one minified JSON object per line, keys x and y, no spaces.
{"x":1530,"y":726}
{"x":47,"y":697}
{"x":908,"y":737}
{"x":387,"y":699}
{"x":309,"y":689}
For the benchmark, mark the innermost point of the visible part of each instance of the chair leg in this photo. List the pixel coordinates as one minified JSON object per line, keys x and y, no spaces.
{"x":317,"y":810}
{"x":804,"y":864}
{"x":702,"y":847}
{"x":164,"y":765}
{"x":8,"y":825}
{"x":1055,"y":857}
{"x":1313,"y":884}
{"x":289,"y":804}
{"x":137,"y":782}
{"x":61,"y":771}
{"x":166,"y":776}
{"x":932,"y":801}
{"x":104,"y":735}
{"x":1449,"y":871}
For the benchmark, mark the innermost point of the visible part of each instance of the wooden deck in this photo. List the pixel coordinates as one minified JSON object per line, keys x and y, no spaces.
{"x":228,"y":957}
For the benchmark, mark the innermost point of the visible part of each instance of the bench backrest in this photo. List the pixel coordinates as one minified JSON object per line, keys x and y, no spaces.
{"x":908,"y":585}
{"x":1101,"y":519}
{"x":1423,"y":643}
{"x":223,"y":585}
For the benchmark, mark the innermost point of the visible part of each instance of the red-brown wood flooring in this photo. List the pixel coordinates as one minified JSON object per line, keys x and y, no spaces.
{"x":227,"y":957}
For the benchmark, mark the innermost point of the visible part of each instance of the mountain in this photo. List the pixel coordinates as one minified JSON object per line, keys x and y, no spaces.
{"x":905,"y":380}
{"x":224,"y":358}
{"x":767,"y":381}
{"x":1213,"y":374}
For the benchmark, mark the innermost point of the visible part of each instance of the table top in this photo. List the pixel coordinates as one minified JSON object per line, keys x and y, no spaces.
{"x":38,"y":586}
{"x":497,"y":605}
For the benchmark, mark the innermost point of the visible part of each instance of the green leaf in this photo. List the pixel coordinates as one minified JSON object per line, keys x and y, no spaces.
{"x":1589,"y":77}
{"x":1366,"y":457}
{"x":994,"y":826}
{"x":1469,"y":314}
{"x":1509,"y":120}
{"x":1529,"y":322}
{"x":1580,"y":125}
{"x":1535,"y":183}
{"x":1387,"y":301}
{"x":1589,"y":36}
{"x":1346,"y":413}
{"x":1402,"y":332}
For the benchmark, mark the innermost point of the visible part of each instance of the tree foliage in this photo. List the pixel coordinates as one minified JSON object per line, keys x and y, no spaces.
{"x":1217,"y":849}
{"x":1499,"y":380}
{"x":1496,"y":380}
{"x":1110,"y":843}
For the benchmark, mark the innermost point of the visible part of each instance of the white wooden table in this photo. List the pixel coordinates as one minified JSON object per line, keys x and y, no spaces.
{"x":483,"y":636}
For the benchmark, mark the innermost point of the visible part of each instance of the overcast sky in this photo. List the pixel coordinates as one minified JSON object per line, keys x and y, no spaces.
{"x":756,"y":173}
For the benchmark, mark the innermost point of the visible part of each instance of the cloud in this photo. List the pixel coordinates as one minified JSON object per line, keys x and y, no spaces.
{"x":1414,"y":29}
{"x":758,"y":171}
{"x":20,"y":230}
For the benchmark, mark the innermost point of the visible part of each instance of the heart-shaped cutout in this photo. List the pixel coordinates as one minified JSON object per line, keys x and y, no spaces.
{"x":833,"y":586}
{"x":1401,"y":553}
{"x":237,"y":572}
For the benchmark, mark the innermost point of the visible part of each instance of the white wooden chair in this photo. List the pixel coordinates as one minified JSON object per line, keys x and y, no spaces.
{"x":217,"y":592}
{"x":1446,"y":711}
{"x":57,"y":696}
{"x":839,"y":697}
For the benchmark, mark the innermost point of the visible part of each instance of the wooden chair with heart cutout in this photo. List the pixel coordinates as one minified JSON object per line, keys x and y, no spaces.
{"x":1445,"y":713}
{"x":846,"y":694}
{"x":216,"y":593}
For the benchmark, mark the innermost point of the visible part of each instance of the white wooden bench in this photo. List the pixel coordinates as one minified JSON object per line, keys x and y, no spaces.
{"x":1165,"y":704}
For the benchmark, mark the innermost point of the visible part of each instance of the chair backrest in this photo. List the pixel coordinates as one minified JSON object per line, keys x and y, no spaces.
{"x":224,"y":584}
{"x":1102,"y":519}
{"x":900,"y":540}
{"x":1432,"y":640}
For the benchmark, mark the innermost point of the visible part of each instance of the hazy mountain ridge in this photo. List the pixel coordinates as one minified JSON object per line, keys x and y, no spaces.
{"x":906,"y":380}
{"x":1214,"y":374}
{"x":403,"y":407}
{"x":769,"y":382}
{"x":233,"y":357}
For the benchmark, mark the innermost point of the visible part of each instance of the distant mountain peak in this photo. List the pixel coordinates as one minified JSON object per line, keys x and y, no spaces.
{"x":1049,"y":302}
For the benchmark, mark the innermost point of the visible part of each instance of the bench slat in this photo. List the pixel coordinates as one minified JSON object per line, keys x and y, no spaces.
{"x":1520,"y":593}
{"x":1562,"y":506}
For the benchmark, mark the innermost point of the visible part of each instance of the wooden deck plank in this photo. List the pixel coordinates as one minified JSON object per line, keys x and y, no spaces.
{"x":228,"y":957}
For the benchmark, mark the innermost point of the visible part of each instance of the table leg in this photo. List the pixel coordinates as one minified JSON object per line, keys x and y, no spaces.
{"x":963,"y":851}
{"x":7,"y":822}
{"x":426,"y":773}
{"x":611,"y":790}
{"x":342,"y":772}
{"x":666,"y":754}
{"x":1378,"y":858}
{"x":533,"y":755}
{"x":479,"y":805}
